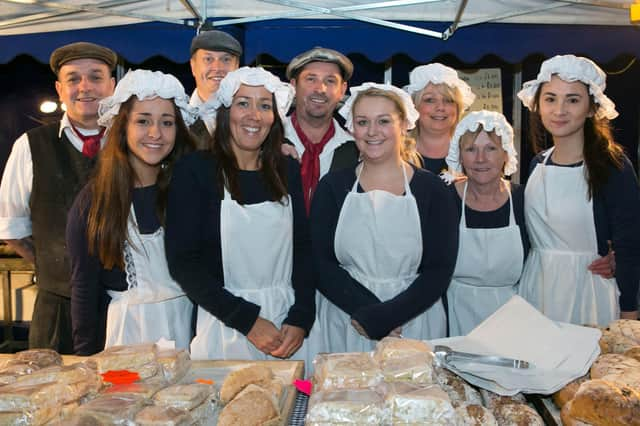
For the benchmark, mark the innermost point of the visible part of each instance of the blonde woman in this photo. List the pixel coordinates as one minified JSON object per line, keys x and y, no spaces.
{"x":384,"y":240}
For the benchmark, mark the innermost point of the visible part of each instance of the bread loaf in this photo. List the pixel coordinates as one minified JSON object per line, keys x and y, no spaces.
{"x":110,"y":409}
{"x":608,"y":364}
{"x":475,"y":415}
{"x":156,"y":415}
{"x":612,"y":342}
{"x":415,"y":368}
{"x":567,"y":393}
{"x":185,"y":397}
{"x":567,"y":419}
{"x":40,"y":357}
{"x":628,"y":328}
{"x":357,"y":406}
{"x":410,"y":404}
{"x":460,"y":392}
{"x":395,"y":347}
{"x":252,"y":406}
{"x":351,"y":370}
{"x":633,"y":352}
{"x":239,"y":379}
{"x":602,"y":403}
{"x":517,"y":415}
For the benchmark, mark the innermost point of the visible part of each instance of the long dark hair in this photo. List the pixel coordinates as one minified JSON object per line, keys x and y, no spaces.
{"x":112,"y":188}
{"x":600,"y":151}
{"x":273,"y":168}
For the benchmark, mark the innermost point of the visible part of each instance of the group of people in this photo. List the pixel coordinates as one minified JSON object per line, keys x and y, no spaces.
{"x":241,"y":230}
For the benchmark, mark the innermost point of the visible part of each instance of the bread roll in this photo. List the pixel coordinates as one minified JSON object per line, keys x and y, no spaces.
{"x":475,"y":415}
{"x":607,"y":404}
{"x":612,"y":342}
{"x":628,"y":328}
{"x":567,"y":393}
{"x":252,"y":406}
{"x":608,"y":364}
{"x":239,"y":379}
{"x":460,"y":392}
{"x":517,"y":415}
{"x":395,"y":347}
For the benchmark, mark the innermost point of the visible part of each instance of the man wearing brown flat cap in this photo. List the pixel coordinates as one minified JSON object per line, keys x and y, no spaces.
{"x":213,"y":55}
{"x":47,"y":167}
{"x":320,"y":78}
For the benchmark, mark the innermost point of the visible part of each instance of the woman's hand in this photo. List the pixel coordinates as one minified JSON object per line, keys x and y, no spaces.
{"x":292,"y":340}
{"x":290,"y":151}
{"x":359,"y":329}
{"x":265,"y":336}
{"x":604,"y":266}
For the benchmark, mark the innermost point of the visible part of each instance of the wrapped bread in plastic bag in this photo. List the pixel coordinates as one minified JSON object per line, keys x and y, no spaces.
{"x":460,"y":392}
{"x":141,"y":359}
{"x":63,"y":374}
{"x":175,"y":363}
{"x":205,"y":413}
{"x":411,"y":404}
{"x":31,"y":417}
{"x":185,"y":397}
{"x":116,"y":409}
{"x":396,"y":347}
{"x":16,"y":397}
{"x":10,"y":370}
{"x":40,"y":357}
{"x":146,"y":389}
{"x":239,"y":379}
{"x":415,"y":368}
{"x":475,"y":415}
{"x":253,"y":406}
{"x":156,"y":415}
{"x":350,"y":370}
{"x":354,"y":406}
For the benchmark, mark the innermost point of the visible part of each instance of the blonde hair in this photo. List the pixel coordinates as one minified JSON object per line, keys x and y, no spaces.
{"x":408,"y":150}
{"x":451,"y":93}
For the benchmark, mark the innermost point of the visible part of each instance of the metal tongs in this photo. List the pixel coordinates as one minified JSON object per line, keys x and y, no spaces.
{"x":446,"y":354}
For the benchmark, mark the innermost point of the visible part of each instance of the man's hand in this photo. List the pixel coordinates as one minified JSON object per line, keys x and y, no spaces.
{"x":293,"y":337}
{"x":359,"y":329}
{"x":290,"y":150}
{"x":265,"y":336}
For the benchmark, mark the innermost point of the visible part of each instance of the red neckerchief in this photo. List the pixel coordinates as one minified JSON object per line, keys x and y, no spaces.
{"x":310,"y":168}
{"x":90,"y":144}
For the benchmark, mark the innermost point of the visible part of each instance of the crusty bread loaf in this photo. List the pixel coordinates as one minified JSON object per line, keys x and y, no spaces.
{"x":567,"y":393}
{"x":612,"y":342}
{"x":603,"y":403}
{"x":630,"y":379}
{"x":460,"y":392}
{"x":633,"y":352}
{"x":492,"y":400}
{"x":252,"y":406}
{"x":239,"y":379}
{"x":395,"y":347}
{"x":475,"y":415}
{"x":567,"y":419}
{"x":517,"y":415}
{"x":608,"y":364}
{"x":628,"y":328}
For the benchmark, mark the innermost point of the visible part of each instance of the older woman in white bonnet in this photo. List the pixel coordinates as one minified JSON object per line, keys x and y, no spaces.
{"x":581,"y":198}
{"x":237,"y":230}
{"x":441,"y":97}
{"x":492,"y":237}
{"x":121,"y":289}
{"x":384,"y":239}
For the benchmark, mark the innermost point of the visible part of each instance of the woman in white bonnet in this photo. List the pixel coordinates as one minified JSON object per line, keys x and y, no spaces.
{"x":581,"y":194}
{"x":121,"y":289}
{"x":237,"y":230}
{"x":441,"y":97}
{"x":493,"y":241}
{"x":384,"y":238}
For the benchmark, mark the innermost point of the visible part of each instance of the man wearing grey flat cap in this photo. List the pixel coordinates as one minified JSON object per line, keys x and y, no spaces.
{"x":320,"y":78}
{"x":213,"y":55}
{"x":47,"y":167}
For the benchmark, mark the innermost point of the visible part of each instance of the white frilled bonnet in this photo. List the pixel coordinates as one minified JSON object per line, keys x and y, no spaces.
{"x":437,"y":73}
{"x":410,"y":110}
{"x":572,"y":68}
{"x":491,"y":121}
{"x":250,"y":76}
{"x":145,"y":84}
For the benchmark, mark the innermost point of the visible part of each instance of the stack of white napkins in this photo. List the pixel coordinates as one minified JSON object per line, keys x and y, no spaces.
{"x":557,"y":352}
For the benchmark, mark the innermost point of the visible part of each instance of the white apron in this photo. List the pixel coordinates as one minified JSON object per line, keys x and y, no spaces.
{"x":379,"y":243}
{"x":563,"y":243}
{"x":154,"y":306}
{"x":257,"y":258}
{"x":487,"y":270}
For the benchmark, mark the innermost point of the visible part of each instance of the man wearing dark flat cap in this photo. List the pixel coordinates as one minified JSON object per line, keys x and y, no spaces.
{"x":320,"y":78}
{"x":47,"y":167}
{"x":213,"y":54}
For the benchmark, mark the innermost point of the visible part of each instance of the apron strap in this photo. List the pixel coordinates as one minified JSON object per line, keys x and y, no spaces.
{"x":463,"y":218}
{"x":407,"y":188}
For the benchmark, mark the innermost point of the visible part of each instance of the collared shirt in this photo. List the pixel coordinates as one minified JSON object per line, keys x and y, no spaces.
{"x":208,"y":120}
{"x":17,"y":181}
{"x":326,"y":156}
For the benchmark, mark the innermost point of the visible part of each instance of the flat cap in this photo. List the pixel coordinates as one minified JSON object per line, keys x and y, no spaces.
{"x":320,"y":54}
{"x":218,"y":41}
{"x":82,"y":50}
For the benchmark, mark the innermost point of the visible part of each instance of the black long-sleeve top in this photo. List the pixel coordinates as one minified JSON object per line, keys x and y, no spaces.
{"x":89,"y":279}
{"x":193,"y":242}
{"x":616,"y":214}
{"x":439,"y":227}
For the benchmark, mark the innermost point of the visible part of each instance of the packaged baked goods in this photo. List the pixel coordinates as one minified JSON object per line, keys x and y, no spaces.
{"x":608,"y":364}
{"x":38,"y":416}
{"x":628,"y":328}
{"x":138,"y":358}
{"x":204,"y":414}
{"x":355,"y":406}
{"x":157,"y":415}
{"x":517,"y":415}
{"x":460,"y":392}
{"x":62,"y":374}
{"x":492,"y":400}
{"x":252,"y":406}
{"x":475,"y":415}
{"x":175,"y":363}
{"x":116,"y":409}
{"x":40,"y":357}
{"x":567,"y":393}
{"x":415,"y":368}
{"x":602,"y":403}
{"x":239,"y":379}
{"x":612,"y":342}
{"x":346,"y":370}
{"x":396,"y":347}
{"x":185,"y":397}
{"x":16,"y":368}
{"x":145,"y":389}
{"x":410,"y":404}
{"x":16,"y":397}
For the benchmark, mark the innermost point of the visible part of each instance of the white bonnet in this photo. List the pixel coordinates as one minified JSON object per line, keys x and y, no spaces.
{"x":145,"y":84}
{"x":251,"y":76}
{"x":437,"y":73}
{"x":410,"y":110}
{"x":572,"y":68}
{"x":490,"y":121}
